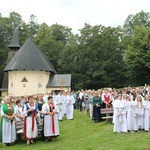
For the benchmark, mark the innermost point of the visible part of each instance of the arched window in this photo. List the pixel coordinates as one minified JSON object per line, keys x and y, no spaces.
{"x":40,"y":84}
{"x":11,"y":82}
{"x":24,"y":80}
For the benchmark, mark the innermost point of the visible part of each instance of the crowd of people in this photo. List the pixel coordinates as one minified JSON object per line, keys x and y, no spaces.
{"x":131,"y":107}
{"x":31,"y":110}
{"x":131,"y":111}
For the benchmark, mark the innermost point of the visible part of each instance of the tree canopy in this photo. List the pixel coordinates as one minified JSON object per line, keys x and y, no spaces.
{"x":97,"y":57}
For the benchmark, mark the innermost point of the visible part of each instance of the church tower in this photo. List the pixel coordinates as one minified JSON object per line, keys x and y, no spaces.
{"x":28,"y":71}
{"x":13,"y":49}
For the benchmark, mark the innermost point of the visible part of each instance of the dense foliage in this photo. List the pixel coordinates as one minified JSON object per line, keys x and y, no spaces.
{"x":97,"y":57}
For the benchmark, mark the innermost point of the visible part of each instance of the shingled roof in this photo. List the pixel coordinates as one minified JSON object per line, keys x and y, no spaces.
{"x":15,"y":40}
{"x":30,"y":57}
{"x":59,"y":80}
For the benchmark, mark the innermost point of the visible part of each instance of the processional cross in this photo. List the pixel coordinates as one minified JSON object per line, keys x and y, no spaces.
{"x":62,"y":81}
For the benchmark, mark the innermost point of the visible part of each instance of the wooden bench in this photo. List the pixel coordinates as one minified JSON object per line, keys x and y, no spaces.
{"x":107,"y":113}
{"x":20,"y":126}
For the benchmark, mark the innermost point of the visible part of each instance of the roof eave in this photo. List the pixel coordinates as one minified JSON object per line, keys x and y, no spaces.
{"x":7,"y":70}
{"x":4,"y":89}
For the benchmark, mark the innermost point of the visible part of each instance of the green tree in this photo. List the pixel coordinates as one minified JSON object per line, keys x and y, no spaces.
{"x":46,"y":42}
{"x":43,"y":33}
{"x":61,"y":33}
{"x":137,"y":56}
{"x":4,"y":41}
{"x":15,"y":19}
{"x":5,"y":30}
{"x":67,"y":62}
{"x":100,"y":56}
{"x":3,"y":59}
{"x":52,"y":41}
{"x":140,"y":19}
{"x":33,"y":26}
{"x":7,"y":26}
{"x":16,"y":22}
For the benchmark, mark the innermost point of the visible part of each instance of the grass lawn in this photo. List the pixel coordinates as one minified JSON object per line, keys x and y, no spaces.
{"x":82,"y":134}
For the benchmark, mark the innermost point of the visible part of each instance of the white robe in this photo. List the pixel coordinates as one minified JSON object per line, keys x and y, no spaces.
{"x":60,"y":101}
{"x":29,"y":133}
{"x":147,"y":116}
{"x":8,"y":130}
{"x":120,"y":124}
{"x":139,"y":116}
{"x":19,"y":111}
{"x":114,"y":111}
{"x":130,"y":115}
{"x":45,"y":98}
{"x":69,"y":107}
{"x":48,"y":121}
{"x":91,"y":106}
{"x":64,"y":105}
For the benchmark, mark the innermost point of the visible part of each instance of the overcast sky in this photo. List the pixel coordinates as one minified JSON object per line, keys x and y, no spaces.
{"x":74,"y":13}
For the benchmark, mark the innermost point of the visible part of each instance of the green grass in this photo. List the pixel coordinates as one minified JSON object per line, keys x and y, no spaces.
{"x":82,"y":134}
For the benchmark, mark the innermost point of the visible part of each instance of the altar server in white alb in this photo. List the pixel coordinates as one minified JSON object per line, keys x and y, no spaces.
{"x":59,"y":101}
{"x":130,"y":114}
{"x":51,"y":125}
{"x":64,"y":104}
{"x":120,"y":124}
{"x":69,"y":106}
{"x":113,"y":104}
{"x":147,"y":113}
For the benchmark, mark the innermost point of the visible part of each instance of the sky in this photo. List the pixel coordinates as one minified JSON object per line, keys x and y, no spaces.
{"x":74,"y":13}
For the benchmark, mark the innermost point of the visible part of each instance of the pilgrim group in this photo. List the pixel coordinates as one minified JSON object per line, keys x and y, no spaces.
{"x":32,"y":110}
{"x":131,"y":111}
{"x":131,"y":107}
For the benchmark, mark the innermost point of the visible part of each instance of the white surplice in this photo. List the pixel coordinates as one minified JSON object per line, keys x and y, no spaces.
{"x":120,"y":124}
{"x":130,"y":115}
{"x":147,"y":116}
{"x":139,"y":115}
{"x":60,"y":101}
{"x":69,"y":107}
